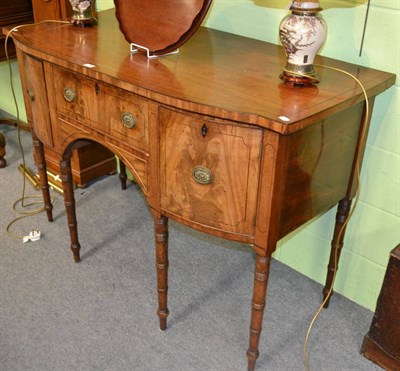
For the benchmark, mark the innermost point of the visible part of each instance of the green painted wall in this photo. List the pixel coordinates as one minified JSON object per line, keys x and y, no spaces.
{"x":6,"y":100}
{"x":375,"y":227}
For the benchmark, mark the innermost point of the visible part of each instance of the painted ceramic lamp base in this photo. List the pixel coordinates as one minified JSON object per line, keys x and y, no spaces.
{"x":302,"y":34}
{"x":82,"y":14}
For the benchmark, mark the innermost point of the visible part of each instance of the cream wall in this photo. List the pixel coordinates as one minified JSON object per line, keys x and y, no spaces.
{"x":375,"y":227}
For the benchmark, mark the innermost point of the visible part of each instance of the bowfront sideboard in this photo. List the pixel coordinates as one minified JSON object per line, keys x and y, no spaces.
{"x":214,"y":138}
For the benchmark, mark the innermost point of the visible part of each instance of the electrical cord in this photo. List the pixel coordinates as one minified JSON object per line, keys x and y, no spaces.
{"x":357,"y":196}
{"x":23,"y":196}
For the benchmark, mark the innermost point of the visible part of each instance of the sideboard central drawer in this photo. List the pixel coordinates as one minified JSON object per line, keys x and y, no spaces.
{"x":103,"y":107}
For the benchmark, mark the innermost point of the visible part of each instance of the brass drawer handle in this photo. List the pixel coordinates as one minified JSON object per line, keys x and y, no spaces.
{"x":202,"y":175}
{"x":30,"y":94}
{"x":128,"y":120}
{"x":69,"y":95}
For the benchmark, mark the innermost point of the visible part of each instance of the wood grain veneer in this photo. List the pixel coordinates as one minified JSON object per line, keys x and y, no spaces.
{"x":270,"y":156}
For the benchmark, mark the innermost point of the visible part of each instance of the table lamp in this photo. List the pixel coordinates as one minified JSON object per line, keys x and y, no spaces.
{"x":302,"y":33}
{"x":82,"y":13}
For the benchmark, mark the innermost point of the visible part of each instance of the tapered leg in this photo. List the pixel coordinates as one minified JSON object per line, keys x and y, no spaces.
{"x":122,"y":174}
{"x":261,"y":275}
{"x":161,"y":238}
{"x":336,"y":245}
{"x":69,"y":202}
{"x":41,"y":165}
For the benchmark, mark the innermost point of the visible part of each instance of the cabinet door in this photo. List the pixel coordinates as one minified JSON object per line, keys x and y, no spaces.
{"x":37,"y":106}
{"x":51,"y":9}
{"x":209,"y":172}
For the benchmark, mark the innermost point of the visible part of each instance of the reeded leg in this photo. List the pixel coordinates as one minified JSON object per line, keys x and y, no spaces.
{"x":161,"y":238}
{"x":122,"y":174}
{"x":3,"y":162}
{"x":69,"y":202}
{"x":336,"y":245}
{"x":261,"y":275}
{"x":41,"y":165}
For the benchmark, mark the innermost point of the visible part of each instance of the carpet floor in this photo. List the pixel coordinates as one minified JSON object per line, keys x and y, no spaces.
{"x":100,"y":314}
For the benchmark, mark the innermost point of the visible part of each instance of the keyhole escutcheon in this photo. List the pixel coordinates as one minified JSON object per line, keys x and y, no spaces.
{"x":204,"y":130}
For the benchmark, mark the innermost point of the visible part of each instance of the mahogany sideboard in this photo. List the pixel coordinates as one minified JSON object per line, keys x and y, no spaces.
{"x":214,"y":138}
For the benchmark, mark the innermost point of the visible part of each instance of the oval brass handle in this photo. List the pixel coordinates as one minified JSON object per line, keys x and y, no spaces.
{"x":128,"y":120}
{"x":202,"y":175}
{"x":69,"y":94}
{"x":30,"y":94}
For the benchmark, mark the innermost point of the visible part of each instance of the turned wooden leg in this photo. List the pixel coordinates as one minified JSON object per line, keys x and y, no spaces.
{"x":3,"y":162}
{"x":69,"y":202}
{"x":122,"y":174}
{"x":336,"y":245}
{"x":41,"y":165}
{"x":161,"y":238}
{"x":258,"y":304}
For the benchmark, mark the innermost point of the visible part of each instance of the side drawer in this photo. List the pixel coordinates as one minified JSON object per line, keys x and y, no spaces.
{"x":103,"y":107}
{"x":209,"y":171}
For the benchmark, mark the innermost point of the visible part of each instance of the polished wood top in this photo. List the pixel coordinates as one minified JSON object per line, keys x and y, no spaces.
{"x":217,"y":73}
